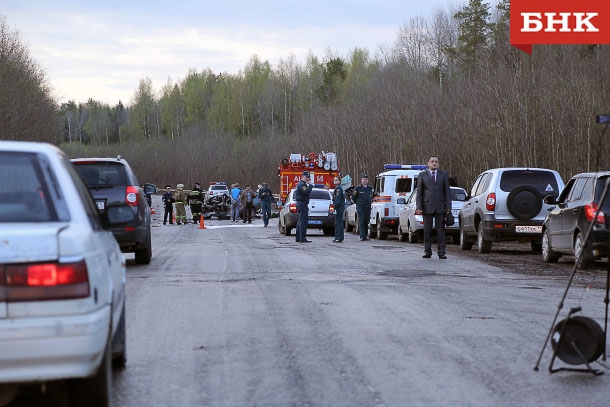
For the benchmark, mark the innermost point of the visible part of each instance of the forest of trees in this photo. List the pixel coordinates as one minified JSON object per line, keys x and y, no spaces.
{"x":451,"y":85}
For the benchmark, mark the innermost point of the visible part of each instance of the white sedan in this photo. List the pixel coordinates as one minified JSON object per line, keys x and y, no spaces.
{"x":62,"y":278}
{"x":411,"y":226}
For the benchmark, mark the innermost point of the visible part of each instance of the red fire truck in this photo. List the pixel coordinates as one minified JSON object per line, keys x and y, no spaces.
{"x":323,"y":167}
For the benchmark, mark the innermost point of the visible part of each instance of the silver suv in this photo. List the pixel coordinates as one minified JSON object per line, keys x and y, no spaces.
{"x":506,"y":204}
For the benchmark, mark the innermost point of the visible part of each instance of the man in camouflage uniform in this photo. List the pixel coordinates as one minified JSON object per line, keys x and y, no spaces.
{"x":180,"y":199}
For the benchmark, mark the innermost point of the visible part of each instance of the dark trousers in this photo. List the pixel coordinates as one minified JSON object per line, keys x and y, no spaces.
{"x":439,"y":223}
{"x":266,"y":210}
{"x":247,"y":215}
{"x":364,"y":217}
{"x":303,"y":217}
{"x":339,"y":223}
{"x":169,"y":212}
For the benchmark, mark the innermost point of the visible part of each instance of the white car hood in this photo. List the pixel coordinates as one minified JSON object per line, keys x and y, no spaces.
{"x":20,"y":242}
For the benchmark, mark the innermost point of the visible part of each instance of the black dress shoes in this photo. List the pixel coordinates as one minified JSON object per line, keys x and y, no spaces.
{"x":426,"y":256}
{"x":442,"y":256}
{"x":305,"y":241}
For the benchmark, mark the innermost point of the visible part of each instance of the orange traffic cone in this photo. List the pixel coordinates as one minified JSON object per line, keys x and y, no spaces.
{"x":152,"y":211}
{"x":174,"y":217}
{"x":201,"y":224}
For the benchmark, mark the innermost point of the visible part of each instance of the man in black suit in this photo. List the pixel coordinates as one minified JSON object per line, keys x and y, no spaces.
{"x":433,"y":200}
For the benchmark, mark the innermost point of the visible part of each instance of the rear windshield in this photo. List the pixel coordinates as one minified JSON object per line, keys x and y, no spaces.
{"x":599,"y":191}
{"x":456,"y":192}
{"x":24,"y":196}
{"x":544,"y":181}
{"x":223,"y":187}
{"x":404,"y":185}
{"x":319,"y":194}
{"x":102,"y":174}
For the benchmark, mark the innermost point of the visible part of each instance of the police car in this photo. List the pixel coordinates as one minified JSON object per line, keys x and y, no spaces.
{"x":398,"y":181}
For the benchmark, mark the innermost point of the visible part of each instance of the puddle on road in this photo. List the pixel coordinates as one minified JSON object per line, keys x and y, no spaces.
{"x":408,"y":273}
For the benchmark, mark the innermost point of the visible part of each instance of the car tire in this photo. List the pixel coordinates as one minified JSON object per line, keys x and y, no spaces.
{"x":144,"y":254}
{"x":280,"y":228}
{"x":356,"y":226}
{"x":328,"y":231}
{"x":524,"y":202}
{"x":119,"y":343}
{"x":402,"y":237}
{"x":483,"y":244}
{"x":94,"y":391}
{"x":413,"y":238}
{"x":582,"y":264}
{"x":465,"y":242}
{"x":287,"y":230}
{"x":548,"y":255}
{"x":348,"y":227}
{"x":381,"y":235}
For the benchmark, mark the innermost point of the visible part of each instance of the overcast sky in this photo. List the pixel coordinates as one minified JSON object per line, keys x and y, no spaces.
{"x":102,"y":49}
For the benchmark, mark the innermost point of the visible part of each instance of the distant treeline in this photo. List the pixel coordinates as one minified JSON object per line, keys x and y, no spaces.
{"x":451,"y":85}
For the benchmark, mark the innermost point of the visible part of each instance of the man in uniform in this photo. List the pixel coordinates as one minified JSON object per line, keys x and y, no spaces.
{"x":266,"y":196}
{"x":168,"y":200}
{"x":195,"y":199}
{"x":362,"y":196}
{"x":301,"y":195}
{"x":180,"y":197}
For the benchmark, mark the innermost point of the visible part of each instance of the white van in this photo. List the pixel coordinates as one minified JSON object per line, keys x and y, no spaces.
{"x":398,"y":180}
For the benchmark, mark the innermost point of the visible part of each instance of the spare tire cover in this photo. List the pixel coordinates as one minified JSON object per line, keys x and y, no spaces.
{"x":581,"y":332}
{"x":524,"y":202}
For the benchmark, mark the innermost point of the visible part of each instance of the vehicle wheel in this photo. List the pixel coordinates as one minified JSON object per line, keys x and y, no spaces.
{"x":348,"y":227}
{"x":287,"y":230}
{"x":536,"y":246}
{"x":356,"y":226}
{"x":465,"y":243}
{"x":144,"y":254}
{"x":372,"y":232}
{"x":95,"y":390}
{"x":281,"y":228}
{"x":402,"y":237}
{"x":524,"y":202}
{"x":455,"y":238}
{"x":548,"y":255}
{"x":582,"y":264}
{"x":328,"y":231}
{"x":484,"y":245}
{"x":119,"y":343}
{"x":413,"y":238}
{"x":380,"y":234}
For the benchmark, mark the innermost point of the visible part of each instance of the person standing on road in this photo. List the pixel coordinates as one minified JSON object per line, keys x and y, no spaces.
{"x":266,"y":196}
{"x":195,"y":200}
{"x":301,"y":195}
{"x":362,"y":196}
{"x":433,"y":200}
{"x":235,"y":195}
{"x":180,"y":197}
{"x":168,"y":203}
{"x":247,"y":202}
{"x":339,"y":204}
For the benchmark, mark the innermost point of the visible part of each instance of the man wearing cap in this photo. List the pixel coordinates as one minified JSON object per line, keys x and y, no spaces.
{"x":301,"y":195}
{"x":168,"y":201}
{"x":265,"y":195}
{"x":362,"y":196}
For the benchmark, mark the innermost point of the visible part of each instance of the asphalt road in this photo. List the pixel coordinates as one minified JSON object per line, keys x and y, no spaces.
{"x":239,"y":315}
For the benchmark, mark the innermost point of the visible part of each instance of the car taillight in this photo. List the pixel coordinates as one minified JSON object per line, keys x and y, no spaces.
{"x":490,"y":202}
{"x":590,"y":210}
{"x":331,"y":208}
{"x":386,"y":212}
{"x":45,"y":281}
{"x":293,"y":207}
{"x":132,"y":195}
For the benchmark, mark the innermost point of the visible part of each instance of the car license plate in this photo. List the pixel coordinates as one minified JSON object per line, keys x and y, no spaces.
{"x":528,"y":229}
{"x":100,"y":205}
{"x":314,"y":222}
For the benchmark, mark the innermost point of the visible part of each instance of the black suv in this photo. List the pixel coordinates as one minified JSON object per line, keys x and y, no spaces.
{"x":566,"y":225}
{"x":111,"y":181}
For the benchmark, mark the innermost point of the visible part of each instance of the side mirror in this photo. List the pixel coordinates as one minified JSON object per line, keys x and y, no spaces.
{"x":460,"y":197}
{"x":401,"y":201}
{"x":118,"y":216}
{"x":550,"y":200}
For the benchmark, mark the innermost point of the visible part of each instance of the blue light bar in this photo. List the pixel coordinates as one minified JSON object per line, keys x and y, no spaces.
{"x":404,"y":167}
